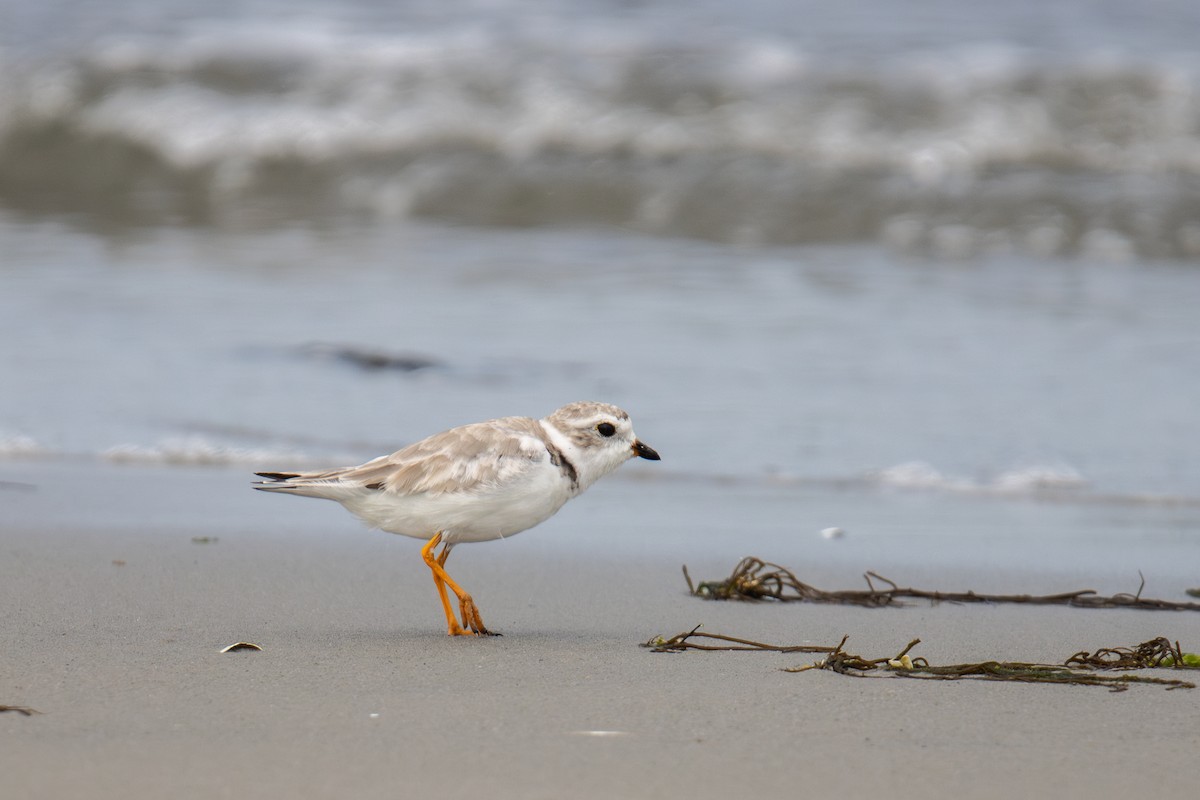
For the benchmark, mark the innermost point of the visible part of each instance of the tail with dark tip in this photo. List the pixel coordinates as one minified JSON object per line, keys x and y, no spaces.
{"x":276,"y":481}
{"x":278,"y":476}
{"x":307,"y":484}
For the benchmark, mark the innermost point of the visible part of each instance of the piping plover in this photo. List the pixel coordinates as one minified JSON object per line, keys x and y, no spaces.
{"x":476,"y":482}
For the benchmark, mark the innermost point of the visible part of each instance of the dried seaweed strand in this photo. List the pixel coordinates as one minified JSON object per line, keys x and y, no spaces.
{"x":24,"y":711}
{"x":755,"y":580}
{"x":1078,"y":670}
{"x":849,"y":664}
{"x":1153,"y":654}
{"x":681,"y":641}
{"x":1037,"y":673}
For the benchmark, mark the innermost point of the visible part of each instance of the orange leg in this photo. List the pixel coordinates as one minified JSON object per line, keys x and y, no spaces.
{"x":470,"y":613}
{"x":466,"y":606}
{"x":426,"y":553}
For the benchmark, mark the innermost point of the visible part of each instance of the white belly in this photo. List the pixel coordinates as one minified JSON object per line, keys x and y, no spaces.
{"x":477,"y":516}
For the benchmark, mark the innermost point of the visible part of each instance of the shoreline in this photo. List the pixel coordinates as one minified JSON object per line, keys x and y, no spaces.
{"x":358,"y":691}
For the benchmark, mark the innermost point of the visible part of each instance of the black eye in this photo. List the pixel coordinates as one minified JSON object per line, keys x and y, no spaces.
{"x":606,"y":429}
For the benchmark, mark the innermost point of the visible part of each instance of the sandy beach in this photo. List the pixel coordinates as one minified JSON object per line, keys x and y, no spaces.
{"x":923,"y":272}
{"x":113,"y":630}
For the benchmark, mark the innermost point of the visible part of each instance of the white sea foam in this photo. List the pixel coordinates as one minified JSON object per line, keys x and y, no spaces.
{"x":20,"y":446}
{"x":624,"y":128}
{"x":1022,"y":480}
{"x":920,"y":475}
{"x":1038,"y":477}
{"x":197,"y":451}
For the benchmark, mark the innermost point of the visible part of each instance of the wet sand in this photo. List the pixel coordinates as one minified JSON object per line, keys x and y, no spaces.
{"x":114,"y":616}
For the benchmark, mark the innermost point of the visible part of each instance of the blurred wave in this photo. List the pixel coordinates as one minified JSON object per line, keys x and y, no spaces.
{"x":951,"y":153}
{"x":1055,"y":483}
{"x":1021,"y":480}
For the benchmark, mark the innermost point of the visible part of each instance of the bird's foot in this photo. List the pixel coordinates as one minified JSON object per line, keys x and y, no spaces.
{"x":471,"y":617}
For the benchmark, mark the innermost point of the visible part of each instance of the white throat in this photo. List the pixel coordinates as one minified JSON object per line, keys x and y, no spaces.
{"x":590,"y":464}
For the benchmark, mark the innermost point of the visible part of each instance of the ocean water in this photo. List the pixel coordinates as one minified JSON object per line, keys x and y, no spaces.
{"x":928,"y":247}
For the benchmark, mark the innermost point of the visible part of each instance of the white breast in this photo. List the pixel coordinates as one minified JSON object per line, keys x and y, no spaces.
{"x":524,"y":500}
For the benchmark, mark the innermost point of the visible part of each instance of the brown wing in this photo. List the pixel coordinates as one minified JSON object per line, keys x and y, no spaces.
{"x":460,"y":459}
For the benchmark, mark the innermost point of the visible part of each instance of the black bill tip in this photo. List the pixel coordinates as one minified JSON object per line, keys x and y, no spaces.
{"x":645,"y":451}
